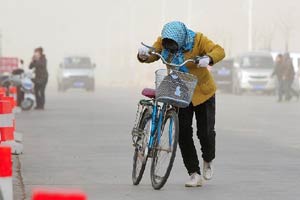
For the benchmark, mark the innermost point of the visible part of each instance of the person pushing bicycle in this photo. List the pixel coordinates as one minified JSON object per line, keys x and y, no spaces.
{"x":176,"y":44}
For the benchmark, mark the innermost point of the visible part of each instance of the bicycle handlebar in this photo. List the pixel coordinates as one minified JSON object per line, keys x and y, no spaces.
{"x":172,"y":65}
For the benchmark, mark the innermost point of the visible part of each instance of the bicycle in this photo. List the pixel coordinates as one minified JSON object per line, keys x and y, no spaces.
{"x":156,"y":131}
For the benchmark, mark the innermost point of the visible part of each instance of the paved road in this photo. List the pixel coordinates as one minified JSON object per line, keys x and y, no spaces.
{"x":83,"y":140}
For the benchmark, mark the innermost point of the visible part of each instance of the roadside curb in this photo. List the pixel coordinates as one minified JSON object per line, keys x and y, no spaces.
{"x":18,"y":182}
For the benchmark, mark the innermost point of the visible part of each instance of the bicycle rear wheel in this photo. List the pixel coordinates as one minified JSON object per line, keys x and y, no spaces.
{"x":139,"y":157}
{"x":165,"y":150}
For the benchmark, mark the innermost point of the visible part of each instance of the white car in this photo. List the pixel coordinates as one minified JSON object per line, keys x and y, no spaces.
{"x":76,"y":72}
{"x":252,"y":72}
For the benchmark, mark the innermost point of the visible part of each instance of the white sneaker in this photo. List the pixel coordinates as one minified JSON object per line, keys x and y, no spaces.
{"x":207,"y":170}
{"x":195,"y":181}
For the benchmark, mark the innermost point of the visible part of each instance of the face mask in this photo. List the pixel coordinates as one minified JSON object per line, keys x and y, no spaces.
{"x":170,"y":45}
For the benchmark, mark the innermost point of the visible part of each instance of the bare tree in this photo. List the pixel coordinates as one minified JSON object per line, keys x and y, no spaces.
{"x":224,"y":37}
{"x":264,"y":36}
{"x":285,"y":23}
{"x":286,"y":30}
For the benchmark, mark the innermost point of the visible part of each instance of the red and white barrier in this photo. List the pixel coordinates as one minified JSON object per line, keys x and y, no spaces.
{"x":6,"y":186}
{"x":2,"y":91}
{"x":58,"y":194}
{"x":7,"y":125}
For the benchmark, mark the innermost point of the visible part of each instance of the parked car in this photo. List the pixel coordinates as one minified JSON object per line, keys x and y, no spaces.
{"x":252,"y":72}
{"x":76,"y":72}
{"x":222,"y":73}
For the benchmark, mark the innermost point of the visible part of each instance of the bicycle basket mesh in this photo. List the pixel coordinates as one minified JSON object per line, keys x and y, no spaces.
{"x":176,"y":88}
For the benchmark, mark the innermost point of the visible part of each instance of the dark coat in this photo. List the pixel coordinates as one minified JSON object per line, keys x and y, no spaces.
{"x":289,"y":70}
{"x":279,"y":70}
{"x":40,"y":69}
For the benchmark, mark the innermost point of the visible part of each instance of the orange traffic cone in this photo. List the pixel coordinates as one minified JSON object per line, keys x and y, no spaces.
{"x":7,"y":127}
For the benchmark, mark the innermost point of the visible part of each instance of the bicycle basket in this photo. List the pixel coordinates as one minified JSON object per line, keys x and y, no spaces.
{"x":176,"y":88}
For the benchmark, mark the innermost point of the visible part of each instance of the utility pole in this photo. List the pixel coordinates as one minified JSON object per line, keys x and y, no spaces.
{"x":189,"y":12}
{"x":163,"y":12}
{"x":250,"y":25}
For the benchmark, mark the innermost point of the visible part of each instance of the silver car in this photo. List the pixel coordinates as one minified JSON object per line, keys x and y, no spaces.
{"x":76,"y":72}
{"x":252,"y":72}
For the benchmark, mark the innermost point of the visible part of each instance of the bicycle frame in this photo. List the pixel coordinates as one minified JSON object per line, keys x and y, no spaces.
{"x":158,"y":115}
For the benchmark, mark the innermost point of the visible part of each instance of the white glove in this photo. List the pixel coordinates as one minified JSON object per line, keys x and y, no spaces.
{"x":204,"y":61}
{"x":143,"y":53}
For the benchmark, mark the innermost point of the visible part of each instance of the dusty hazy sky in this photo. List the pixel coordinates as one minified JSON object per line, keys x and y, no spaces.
{"x":110,"y":31}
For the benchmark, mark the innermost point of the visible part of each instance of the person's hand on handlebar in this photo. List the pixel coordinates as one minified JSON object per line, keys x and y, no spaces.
{"x":203,"y":61}
{"x":143,"y":53}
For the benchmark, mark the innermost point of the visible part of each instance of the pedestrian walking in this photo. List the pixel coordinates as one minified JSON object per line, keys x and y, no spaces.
{"x":177,"y":43}
{"x":279,"y":73}
{"x":289,"y":74}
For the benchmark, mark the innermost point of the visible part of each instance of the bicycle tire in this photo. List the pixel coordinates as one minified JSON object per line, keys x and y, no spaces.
{"x":137,"y":176}
{"x":158,"y":185}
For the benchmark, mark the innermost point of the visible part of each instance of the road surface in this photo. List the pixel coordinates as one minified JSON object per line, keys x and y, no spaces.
{"x":82,"y":140}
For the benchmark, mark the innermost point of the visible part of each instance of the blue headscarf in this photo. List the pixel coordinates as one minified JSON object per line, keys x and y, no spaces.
{"x":184,"y":37}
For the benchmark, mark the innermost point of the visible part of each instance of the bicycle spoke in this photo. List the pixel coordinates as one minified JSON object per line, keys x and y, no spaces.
{"x":140,"y":156}
{"x":164,"y":151}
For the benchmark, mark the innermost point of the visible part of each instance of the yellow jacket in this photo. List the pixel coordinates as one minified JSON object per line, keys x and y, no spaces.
{"x":206,"y":86}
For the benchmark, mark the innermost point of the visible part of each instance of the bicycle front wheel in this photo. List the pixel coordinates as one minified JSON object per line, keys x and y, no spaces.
{"x":165,"y":150}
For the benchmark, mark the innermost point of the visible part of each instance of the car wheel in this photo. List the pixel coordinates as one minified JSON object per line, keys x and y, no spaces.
{"x":91,"y":89}
{"x":271,"y":92}
{"x":63,"y":87}
{"x":91,"y":86}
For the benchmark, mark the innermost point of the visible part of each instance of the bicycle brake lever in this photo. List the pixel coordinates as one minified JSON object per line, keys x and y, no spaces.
{"x":149,"y":47}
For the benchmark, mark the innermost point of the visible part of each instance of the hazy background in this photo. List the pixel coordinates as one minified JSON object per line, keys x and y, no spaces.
{"x":83,"y":139}
{"x":111,"y":31}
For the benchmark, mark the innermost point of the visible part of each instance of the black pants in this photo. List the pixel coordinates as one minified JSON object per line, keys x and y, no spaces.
{"x":20,"y":96}
{"x":281,"y":89}
{"x":39,"y":89}
{"x":205,"y":117}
